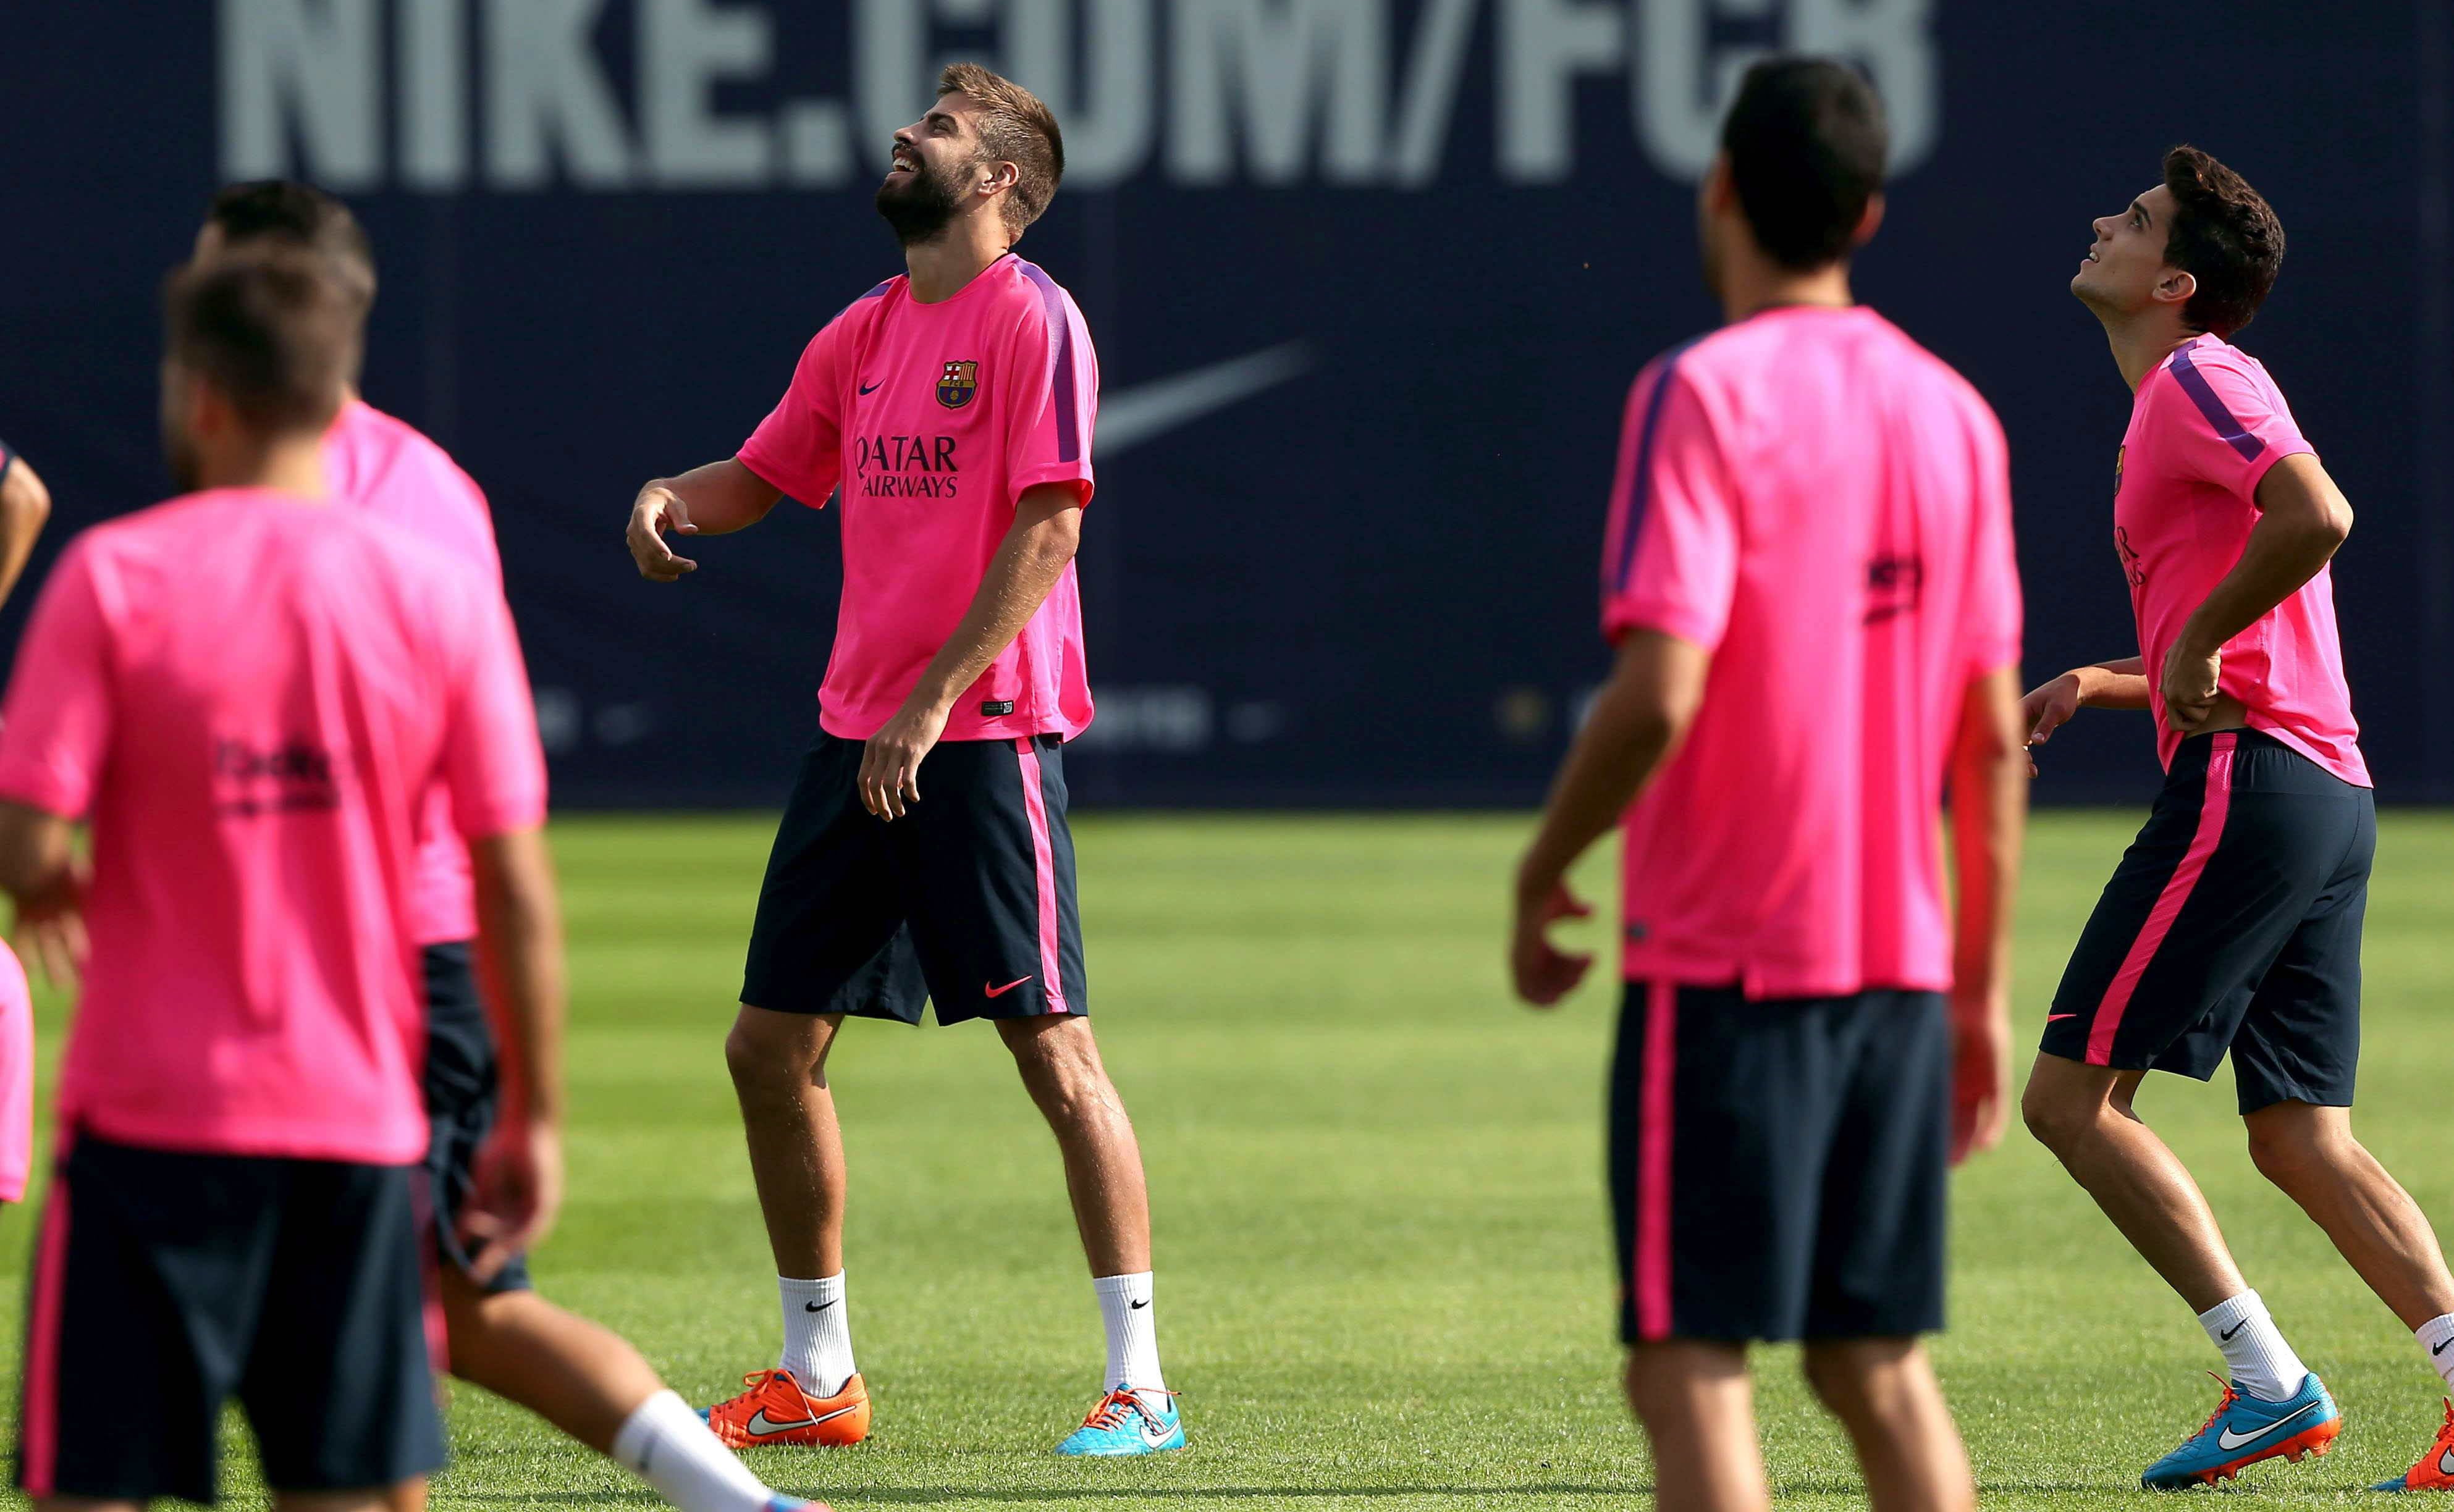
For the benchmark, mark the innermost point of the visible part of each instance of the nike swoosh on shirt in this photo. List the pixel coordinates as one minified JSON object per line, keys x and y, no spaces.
{"x":870,"y":388}
{"x":1148,"y":410}
{"x":2229,"y":1440}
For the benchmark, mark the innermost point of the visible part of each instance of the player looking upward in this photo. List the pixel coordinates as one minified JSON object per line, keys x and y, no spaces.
{"x":2232,"y":925}
{"x":951,"y":406}
{"x":245,"y":693}
{"x":24,"y":505}
{"x":582,"y":1378}
{"x":1809,"y":580}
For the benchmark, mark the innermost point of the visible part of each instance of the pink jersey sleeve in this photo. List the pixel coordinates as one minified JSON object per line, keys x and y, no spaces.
{"x":1992,"y":620}
{"x":1048,"y":429}
{"x":493,"y":761}
{"x":2242,"y":426}
{"x":1671,"y":562}
{"x":16,"y":1077}
{"x":57,"y":722}
{"x":799,"y":448}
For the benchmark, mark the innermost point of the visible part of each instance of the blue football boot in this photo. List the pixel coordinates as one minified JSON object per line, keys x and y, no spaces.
{"x":1128,"y":1422}
{"x":2243,"y":1429}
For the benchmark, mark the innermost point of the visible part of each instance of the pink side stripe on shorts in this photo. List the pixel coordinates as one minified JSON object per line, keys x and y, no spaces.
{"x":41,"y":1449}
{"x":1043,"y":860}
{"x":2212,"y":811}
{"x":1652,"y":1277}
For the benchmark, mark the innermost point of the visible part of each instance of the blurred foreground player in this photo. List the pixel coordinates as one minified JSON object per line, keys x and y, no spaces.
{"x":245,"y":692}
{"x":953,"y":404}
{"x":24,"y":505}
{"x":2232,"y":926}
{"x":1809,"y":579}
{"x":580,"y":1377}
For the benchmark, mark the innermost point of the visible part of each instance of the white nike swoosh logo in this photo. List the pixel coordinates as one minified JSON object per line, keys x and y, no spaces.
{"x":760,"y":1425}
{"x":1149,"y":410}
{"x":2227,"y":1439}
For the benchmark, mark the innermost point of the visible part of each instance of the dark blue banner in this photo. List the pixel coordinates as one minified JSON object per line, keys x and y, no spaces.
{"x":1369,"y":279}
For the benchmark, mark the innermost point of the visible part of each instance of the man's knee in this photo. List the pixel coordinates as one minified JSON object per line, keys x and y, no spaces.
{"x":2065,"y":1101}
{"x":1059,"y":1059}
{"x":2292,"y":1146}
{"x":1870,"y":1383}
{"x":766,"y":1049}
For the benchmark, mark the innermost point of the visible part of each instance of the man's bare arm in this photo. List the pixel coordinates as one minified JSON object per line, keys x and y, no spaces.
{"x":1989,"y":808}
{"x":25,"y":506}
{"x":1047,"y":530}
{"x":41,"y":871}
{"x":520,"y":956}
{"x":2302,"y":519}
{"x":1637,"y":719}
{"x":717,"y":499}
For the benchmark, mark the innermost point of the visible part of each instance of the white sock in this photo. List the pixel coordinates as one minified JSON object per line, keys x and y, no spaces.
{"x":1132,"y":1338}
{"x":2437,"y":1337}
{"x":2254,"y":1350}
{"x":666,"y":1446}
{"x":818,"y":1338}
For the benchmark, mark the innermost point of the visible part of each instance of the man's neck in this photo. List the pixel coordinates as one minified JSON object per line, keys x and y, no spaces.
{"x":2140,"y":344}
{"x":941,"y":266}
{"x":285,"y":465}
{"x":1751,"y":286}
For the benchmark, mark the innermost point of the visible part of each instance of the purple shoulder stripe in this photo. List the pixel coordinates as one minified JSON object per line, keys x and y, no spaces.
{"x":1060,"y":330}
{"x":2203,"y":394}
{"x":883,"y":286}
{"x":1640,"y":484}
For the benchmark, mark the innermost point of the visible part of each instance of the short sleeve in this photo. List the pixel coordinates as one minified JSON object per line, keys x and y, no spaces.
{"x":2235,"y":425}
{"x":56,"y":727}
{"x":493,"y":761}
{"x":1051,"y":418}
{"x":799,"y":448}
{"x":1671,"y":560}
{"x":1992,"y":619}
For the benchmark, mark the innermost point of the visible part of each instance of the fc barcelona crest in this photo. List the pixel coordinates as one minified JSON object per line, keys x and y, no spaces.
{"x":957,"y":385}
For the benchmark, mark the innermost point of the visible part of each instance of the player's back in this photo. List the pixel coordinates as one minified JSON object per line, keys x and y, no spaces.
{"x":277,"y":680}
{"x":1825,"y":507}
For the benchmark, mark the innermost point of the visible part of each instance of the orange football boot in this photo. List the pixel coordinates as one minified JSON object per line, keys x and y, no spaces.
{"x":776,"y":1410}
{"x":2435,"y":1471}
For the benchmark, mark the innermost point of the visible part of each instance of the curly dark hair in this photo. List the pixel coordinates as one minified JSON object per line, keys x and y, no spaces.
{"x":2224,"y":235}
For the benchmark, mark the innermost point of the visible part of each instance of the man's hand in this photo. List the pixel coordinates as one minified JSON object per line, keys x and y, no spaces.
{"x":1980,"y":1075}
{"x":2047,"y":709}
{"x":517,"y":1196}
{"x":2190,"y":685}
{"x":1545,"y":973}
{"x":659,"y":509}
{"x":890,"y":764}
{"x":51,"y":929}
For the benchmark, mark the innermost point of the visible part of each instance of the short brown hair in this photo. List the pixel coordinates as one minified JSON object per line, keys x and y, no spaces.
{"x":2224,"y":236}
{"x":286,"y":212}
{"x":1014,"y":128}
{"x":276,"y":329}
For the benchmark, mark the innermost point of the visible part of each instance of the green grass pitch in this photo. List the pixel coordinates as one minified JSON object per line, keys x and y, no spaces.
{"x":1384,"y":1269}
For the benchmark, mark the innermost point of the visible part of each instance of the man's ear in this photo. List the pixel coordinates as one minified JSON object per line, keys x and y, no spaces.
{"x":1000,"y":176}
{"x":2176,"y":286}
{"x":1868,"y":222}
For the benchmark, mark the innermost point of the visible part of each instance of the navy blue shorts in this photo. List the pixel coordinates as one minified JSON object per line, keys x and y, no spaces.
{"x":1778,"y":1168}
{"x":166,"y":1283}
{"x":966,"y":901}
{"x":2232,"y":926}
{"x":463,"y":1093}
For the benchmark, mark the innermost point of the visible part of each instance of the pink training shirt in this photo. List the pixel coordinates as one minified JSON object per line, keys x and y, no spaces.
{"x":934,"y":420}
{"x":1825,"y":507}
{"x":249,"y":696}
{"x":2205,"y":425}
{"x":388,"y":468}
